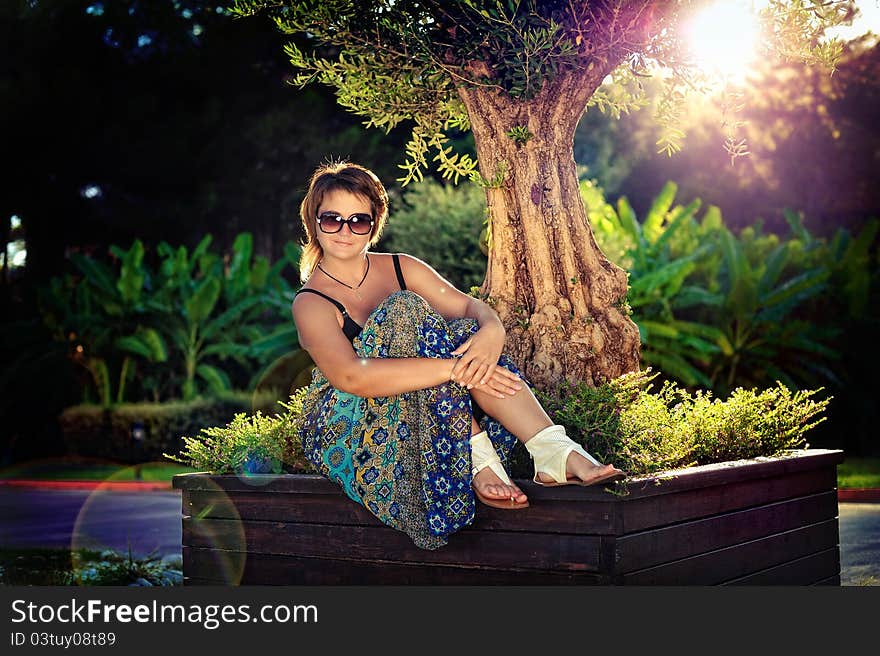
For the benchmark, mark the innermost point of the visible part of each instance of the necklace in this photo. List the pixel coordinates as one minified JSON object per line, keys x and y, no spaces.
{"x":354,"y":289}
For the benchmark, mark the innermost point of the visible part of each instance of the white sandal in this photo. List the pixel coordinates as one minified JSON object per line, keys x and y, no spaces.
{"x":483,"y":455}
{"x":550,"y":449}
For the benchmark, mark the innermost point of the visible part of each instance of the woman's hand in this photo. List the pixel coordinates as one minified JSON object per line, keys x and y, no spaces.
{"x":502,"y":383}
{"x":479,"y":356}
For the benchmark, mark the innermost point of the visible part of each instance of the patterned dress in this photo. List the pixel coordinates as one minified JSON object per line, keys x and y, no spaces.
{"x":406,"y":458}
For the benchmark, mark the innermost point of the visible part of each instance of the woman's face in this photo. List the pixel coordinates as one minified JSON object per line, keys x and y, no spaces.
{"x":345,"y":243}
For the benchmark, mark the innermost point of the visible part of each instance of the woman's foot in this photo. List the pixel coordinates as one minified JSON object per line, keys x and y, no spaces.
{"x":559,"y":460}
{"x":579,"y":468}
{"x":487,"y":483}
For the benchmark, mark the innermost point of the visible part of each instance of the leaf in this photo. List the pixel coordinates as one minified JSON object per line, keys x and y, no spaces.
{"x":628,"y":219}
{"x":131,"y":278}
{"x":286,"y":337}
{"x":796,"y":224}
{"x":217,"y":379}
{"x":227,"y":350}
{"x":690,"y":295}
{"x":158,"y":349}
{"x":133,"y":344}
{"x":646,"y":284}
{"x":808,"y":284}
{"x":680,"y":217}
{"x":200,"y":250}
{"x":231,"y":315}
{"x":200,"y":305}
{"x":774,"y":265}
{"x":658,"y":210}
{"x":677,"y":367}
{"x":239,"y":267}
{"x":96,"y":273}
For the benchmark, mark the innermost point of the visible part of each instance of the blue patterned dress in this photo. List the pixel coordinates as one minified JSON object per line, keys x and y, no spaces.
{"x":406,"y":458}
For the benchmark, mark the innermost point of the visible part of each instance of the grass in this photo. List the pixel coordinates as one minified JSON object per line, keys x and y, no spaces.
{"x":85,"y":567}
{"x":85,"y":469}
{"x":855,"y":473}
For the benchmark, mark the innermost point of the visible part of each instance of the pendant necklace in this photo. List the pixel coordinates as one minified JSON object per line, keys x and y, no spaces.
{"x":355,"y":289}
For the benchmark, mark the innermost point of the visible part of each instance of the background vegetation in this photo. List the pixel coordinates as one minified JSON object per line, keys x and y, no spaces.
{"x":160,"y":160}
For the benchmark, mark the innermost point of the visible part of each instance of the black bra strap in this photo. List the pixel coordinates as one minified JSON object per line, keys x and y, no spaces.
{"x":397,"y":270}
{"x":338,"y":305}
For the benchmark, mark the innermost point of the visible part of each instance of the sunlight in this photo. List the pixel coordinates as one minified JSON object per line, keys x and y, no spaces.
{"x":723,"y":38}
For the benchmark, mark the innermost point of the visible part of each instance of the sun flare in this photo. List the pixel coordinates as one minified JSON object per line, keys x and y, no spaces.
{"x":723,"y":38}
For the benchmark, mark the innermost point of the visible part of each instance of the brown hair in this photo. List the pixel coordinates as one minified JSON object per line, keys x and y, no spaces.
{"x":334,"y":176}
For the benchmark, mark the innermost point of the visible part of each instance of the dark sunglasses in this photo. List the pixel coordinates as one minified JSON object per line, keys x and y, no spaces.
{"x":359,"y":224}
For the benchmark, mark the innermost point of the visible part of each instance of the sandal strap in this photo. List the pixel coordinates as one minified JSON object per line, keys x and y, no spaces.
{"x":483,"y":455}
{"x":550,"y":449}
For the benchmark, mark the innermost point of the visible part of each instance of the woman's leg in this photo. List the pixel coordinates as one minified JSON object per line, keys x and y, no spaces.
{"x":487,"y":482}
{"x":523,"y":416}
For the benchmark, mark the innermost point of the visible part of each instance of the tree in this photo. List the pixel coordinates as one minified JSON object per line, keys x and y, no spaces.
{"x":519,"y":74}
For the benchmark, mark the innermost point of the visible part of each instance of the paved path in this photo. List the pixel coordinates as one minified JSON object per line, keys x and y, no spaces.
{"x":91,"y":518}
{"x":151,"y":520}
{"x":859,"y":543}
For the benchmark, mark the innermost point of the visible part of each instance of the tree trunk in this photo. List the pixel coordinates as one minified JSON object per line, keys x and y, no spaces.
{"x":560,"y":299}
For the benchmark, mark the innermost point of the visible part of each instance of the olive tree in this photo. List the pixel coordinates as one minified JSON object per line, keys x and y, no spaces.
{"x":520,"y":74}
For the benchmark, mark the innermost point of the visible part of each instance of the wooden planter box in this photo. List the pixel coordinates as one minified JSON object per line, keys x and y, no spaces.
{"x":763,"y":521}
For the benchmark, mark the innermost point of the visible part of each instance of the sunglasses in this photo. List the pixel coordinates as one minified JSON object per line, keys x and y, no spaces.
{"x":359,"y":224}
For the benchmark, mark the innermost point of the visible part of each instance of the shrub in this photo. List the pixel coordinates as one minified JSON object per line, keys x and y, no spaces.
{"x":92,"y":430}
{"x":249,"y":444}
{"x":441,"y":224}
{"x":644,"y":432}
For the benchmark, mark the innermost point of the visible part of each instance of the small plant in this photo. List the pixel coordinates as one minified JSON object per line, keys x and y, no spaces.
{"x":644,"y":432}
{"x":520,"y":134}
{"x":249,"y":444}
{"x":87,"y":567}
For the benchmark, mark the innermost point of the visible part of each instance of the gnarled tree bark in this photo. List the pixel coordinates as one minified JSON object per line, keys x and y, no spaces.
{"x":561,"y":300}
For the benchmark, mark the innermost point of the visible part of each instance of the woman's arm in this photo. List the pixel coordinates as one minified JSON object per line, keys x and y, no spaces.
{"x":321,"y":336}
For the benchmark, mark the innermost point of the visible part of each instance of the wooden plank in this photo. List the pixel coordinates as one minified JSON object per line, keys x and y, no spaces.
{"x":663,"y":545}
{"x":640,"y":514}
{"x":732,"y":562}
{"x":480,"y":548}
{"x":192,"y":582}
{"x":266,"y":483}
{"x":692,"y":477}
{"x":726,"y":473}
{"x":555,"y":517}
{"x":809,"y":570}
{"x":273,"y":569}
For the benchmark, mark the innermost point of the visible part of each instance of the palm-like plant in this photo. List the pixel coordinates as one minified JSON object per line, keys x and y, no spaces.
{"x":105,"y":320}
{"x":714,"y":310}
{"x":214,"y":313}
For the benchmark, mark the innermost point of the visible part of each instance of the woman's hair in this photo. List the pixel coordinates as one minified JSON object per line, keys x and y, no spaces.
{"x":338,"y":176}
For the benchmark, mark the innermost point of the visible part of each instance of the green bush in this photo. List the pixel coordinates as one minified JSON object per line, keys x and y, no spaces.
{"x":441,"y":224}
{"x":249,"y":444}
{"x":92,"y":430}
{"x":644,"y":432}
{"x":174,"y":323}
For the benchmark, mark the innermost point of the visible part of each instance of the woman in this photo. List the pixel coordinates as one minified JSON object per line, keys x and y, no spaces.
{"x":403,"y":362}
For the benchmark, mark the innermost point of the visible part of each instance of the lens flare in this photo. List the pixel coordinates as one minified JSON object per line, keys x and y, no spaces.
{"x":723,"y":39}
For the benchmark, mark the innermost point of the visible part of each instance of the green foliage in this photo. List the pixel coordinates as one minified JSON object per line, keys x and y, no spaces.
{"x":520,"y":134}
{"x":720,"y":311}
{"x":395,"y":61}
{"x":643,"y":432}
{"x":102,"y":432}
{"x":441,"y":224}
{"x":187,"y":325}
{"x":249,"y":444}
{"x":87,"y":567}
